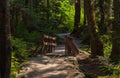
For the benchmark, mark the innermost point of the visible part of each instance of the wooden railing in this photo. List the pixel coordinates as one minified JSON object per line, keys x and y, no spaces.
{"x":46,"y":45}
{"x":70,"y":46}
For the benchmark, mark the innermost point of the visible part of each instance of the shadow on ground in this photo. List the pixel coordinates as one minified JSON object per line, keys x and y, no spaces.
{"x":47,"y":67}
{"x":91,"y":67}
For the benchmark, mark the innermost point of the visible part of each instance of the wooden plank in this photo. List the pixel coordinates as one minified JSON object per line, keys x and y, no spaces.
{"x":49,"y":37}
{"x":47,"y":43}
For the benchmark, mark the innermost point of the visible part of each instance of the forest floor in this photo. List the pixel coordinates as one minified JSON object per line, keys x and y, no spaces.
{"x":57,"y":65}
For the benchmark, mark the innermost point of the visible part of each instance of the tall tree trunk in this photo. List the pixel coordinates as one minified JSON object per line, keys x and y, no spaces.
{"x":5,"y":51}
{"x":96,"y":44}
{"x":12,"y":24}
{"x":109,"y":5}
{"x":14,"y":19}
{"x":48,"y":11}
{"x":116,"y":30}
{"x":102,"y":16}
{"x":85,"y":18}
{"x":26,"y":16}
{"x":31,"y":4}
{"x":77,"y":16}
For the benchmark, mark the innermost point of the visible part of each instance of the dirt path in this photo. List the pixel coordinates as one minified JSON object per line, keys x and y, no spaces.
{"x":52,"y":65}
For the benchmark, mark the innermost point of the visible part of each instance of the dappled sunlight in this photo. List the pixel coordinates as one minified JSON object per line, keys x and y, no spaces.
{"x":56,"y":74}
{"x":47,"y":67}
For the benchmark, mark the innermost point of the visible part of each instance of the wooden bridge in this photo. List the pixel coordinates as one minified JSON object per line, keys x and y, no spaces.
{"x":48,"y":44}
{"x":58,"y":61}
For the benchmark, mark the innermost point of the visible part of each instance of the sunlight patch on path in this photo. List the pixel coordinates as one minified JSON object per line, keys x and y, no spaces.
{"x":46,"y":67}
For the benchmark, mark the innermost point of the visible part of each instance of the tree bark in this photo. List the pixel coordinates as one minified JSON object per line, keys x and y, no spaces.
{"x":85,"y":18}
{"x":77,"y":16}
{"x":14,"y":18}
{"x":102,"y":17}
{"x":95,"y":43}
{"x":27,"y":18}
{"x":48,"y":11}
{"x":5,"y":51}
{"x":116,"y":30}
{"x":109,"y":5}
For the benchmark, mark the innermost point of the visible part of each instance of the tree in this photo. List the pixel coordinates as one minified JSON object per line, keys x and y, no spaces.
{"x":77,"y":16}
{"x":102,"y":16}
{"x":14,"y":16}
{"x":85,"y":14}
{"x":108,"y":14}
{"x":27,"y":18}
{"x":116,"y":30}
{"x":5,"y":51}
{"x":48,"y":10}
{"x":95,"y":43}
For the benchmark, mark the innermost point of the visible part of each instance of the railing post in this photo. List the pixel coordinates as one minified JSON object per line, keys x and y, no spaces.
{"x":70,"y":47}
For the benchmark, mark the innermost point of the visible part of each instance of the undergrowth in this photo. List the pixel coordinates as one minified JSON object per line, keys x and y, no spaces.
{"x":110,"y":69}
{"x":19,"y":54}
{"x":107,"y":44}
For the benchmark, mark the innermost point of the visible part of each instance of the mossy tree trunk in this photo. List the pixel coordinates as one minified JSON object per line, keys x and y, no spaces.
{"x":5,"y":51}
{"x":95,"y":42}
{"x":116,"y":30}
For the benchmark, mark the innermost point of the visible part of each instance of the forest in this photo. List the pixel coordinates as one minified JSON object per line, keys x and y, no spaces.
{"x":94,"y":23}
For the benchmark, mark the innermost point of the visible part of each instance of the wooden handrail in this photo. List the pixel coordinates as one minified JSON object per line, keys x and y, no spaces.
{"x":70,"y":46}
{"x":46,"y":45}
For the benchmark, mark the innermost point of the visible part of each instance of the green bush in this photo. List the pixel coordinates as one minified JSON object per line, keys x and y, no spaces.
{"x":109,"y":68}
{"x":19,"y":48}
{"x":85,"y":47}
{"x":19,"y":54}
{"x":106,"y":40}
{"x":33,"y":36}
